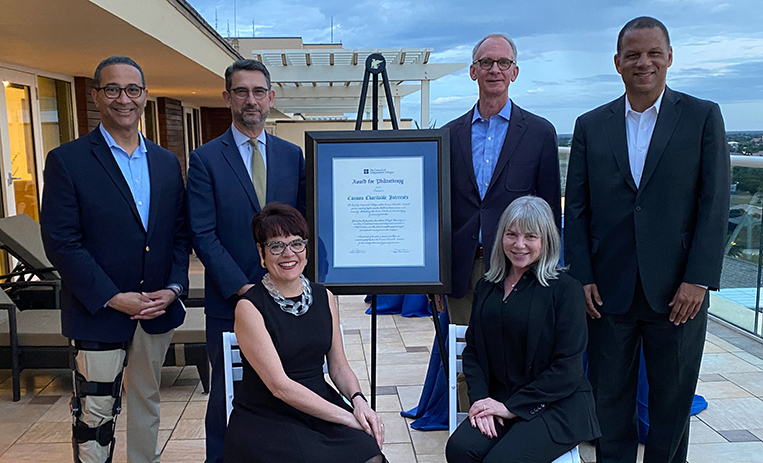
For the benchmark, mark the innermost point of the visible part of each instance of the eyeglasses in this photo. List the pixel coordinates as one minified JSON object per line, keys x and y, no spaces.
{"x":278,"y":247}
{"x":503,"y":63}
{"x":260,"y":93}
{"x":113,"y":92}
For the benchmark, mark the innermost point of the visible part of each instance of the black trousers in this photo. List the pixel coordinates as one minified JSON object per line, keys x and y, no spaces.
{"x":672,"y":354}
{"x":519,"y":441}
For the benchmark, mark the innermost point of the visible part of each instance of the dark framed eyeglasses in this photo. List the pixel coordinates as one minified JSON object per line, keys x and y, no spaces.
{"x":278,"y":247}
{"x":503,"y":63}
{"x":113,"y":92}
{"x":242,"y":93}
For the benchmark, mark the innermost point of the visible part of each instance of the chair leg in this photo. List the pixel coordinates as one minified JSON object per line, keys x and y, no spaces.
{"x":15,"y":361}
{"x":196,"y":355}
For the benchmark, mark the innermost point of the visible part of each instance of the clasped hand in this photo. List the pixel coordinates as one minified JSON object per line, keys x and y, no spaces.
{"x":484,"y":413}
{"x":369,"y":421}
{"x":142,"y":306}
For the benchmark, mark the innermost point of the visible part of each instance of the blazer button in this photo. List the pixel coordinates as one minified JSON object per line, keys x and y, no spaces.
{"x":147,"y":249}
{"x":141,"y":282}
{"x":475,"y":236}
{"x":638,"y":208}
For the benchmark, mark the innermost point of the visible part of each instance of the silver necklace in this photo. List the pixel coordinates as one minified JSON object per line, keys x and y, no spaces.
{"x":295,"y":308}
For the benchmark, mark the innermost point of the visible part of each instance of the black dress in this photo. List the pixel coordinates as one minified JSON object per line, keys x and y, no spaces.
{"x":263,"y":428}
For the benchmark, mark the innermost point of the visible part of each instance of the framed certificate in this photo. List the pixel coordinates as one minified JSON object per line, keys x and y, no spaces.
{"x":380,"y":215}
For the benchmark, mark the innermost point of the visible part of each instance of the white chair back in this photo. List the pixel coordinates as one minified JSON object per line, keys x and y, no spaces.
{"x":234,"y":371}
{"x":455,"y":366}
{"x":456,"y":344}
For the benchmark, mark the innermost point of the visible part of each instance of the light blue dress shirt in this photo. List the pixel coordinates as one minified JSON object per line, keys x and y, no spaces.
{"x":245,"y":148}
{"x":487,"y":141}
{"x":135,"y":171}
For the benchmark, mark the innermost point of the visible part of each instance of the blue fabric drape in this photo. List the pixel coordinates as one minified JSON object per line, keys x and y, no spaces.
{"x":432,"y":411}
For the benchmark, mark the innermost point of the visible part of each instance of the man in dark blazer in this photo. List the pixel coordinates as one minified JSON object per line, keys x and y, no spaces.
{"x":229,"y":180}
{"x":498,"y":152}
{"x":113,"y":225}
{"x":646,"y":213}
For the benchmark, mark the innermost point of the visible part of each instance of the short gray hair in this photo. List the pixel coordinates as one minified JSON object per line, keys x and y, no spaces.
{"x":530,"y":214}
{"x":494,"y":36}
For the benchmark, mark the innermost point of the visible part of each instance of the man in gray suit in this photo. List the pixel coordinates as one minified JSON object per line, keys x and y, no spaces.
{"x":646,"y":213}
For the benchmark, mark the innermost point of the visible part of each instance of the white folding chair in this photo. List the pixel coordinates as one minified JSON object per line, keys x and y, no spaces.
{"x":234,"y":371}
{"x":455,"y":366}
{"x":456,"y":344}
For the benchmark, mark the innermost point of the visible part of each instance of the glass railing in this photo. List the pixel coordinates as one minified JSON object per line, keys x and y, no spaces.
{"x":739,"y":299}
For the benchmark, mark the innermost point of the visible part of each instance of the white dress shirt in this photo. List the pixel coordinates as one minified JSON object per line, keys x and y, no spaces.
{"x":639,"y":128}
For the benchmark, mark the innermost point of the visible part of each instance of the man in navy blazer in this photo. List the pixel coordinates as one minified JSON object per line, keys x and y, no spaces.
{"x":645,"y":224}
{"x":113,"y":224}
{"x":225,"y":190}
{"x":498,"y":152}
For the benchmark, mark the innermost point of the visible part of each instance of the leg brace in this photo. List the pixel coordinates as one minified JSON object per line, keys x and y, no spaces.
{"x":82,"y":388}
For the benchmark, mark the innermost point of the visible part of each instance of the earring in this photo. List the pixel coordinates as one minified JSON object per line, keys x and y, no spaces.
{"x":262,"y":262}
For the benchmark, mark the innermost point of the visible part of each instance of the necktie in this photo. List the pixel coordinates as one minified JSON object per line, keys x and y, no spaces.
{"x":259,"y":173}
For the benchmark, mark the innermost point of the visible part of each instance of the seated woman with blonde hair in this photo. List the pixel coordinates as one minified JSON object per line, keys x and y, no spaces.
{"x":284,"y":410}
{"x":523,"y":361}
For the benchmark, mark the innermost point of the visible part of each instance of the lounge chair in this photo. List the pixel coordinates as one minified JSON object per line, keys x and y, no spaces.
{"x":32,"y":328}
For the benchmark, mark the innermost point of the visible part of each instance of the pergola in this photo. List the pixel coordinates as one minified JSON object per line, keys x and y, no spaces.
{"x":328,"y":80}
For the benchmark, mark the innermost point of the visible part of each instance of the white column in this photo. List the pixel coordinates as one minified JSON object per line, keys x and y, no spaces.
{"x":424,"y":123}
{"x":396,"y":101}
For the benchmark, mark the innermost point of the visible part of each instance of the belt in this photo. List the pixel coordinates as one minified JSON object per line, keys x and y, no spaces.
{"x":480,"y":253}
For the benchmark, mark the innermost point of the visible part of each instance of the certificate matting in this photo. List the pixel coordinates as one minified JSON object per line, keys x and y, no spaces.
{"x":379,"y":212}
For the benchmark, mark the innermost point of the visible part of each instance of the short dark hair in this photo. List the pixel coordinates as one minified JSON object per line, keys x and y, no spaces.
{"x":642,"y":22}
{"x":245,"y":65}
{"x":112,"y":60}
{"x":278,"y":219}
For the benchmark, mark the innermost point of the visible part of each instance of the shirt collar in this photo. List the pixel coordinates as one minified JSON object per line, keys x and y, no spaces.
{"x":113,"y":144}
{"x":656,"y":105}
{"x":504,"y":113}
{"x":240,"y":138}
{"x":533,"y":272}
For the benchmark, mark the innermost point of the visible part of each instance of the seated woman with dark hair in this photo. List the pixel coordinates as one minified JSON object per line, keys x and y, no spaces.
{"x":523,"y":361}
{"x":284,"y":410}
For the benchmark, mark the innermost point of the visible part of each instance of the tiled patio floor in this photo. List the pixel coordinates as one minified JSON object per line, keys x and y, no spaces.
{"x":37,"y":429}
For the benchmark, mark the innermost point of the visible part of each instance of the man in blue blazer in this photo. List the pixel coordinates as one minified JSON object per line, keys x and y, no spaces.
{"x":645,"y":224}
{"x":229,"y":180}
{"x":498,"y":152}
{"x":113,"y":225}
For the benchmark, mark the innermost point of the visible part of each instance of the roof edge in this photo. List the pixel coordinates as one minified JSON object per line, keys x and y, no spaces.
{"x":195,"y":17}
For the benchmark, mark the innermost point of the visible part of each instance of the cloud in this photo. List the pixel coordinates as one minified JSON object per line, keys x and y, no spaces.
{"x":565,"y":47}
